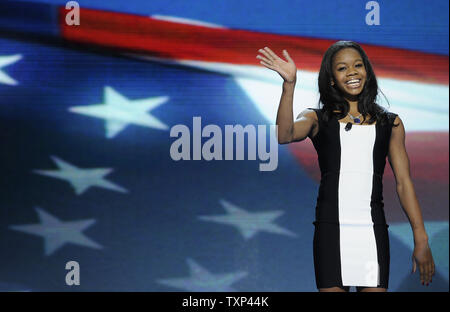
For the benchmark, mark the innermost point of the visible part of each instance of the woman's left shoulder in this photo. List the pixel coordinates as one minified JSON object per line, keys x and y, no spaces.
{"x":393,"y":118}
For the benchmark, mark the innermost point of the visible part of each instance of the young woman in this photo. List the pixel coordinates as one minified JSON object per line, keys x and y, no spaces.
{"x":352,"y":135}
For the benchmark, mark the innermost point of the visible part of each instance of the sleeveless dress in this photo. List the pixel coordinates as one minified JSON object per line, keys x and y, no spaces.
{"x":351,"y":242}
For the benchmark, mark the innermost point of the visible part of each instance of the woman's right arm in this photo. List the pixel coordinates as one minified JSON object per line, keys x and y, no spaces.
{"x":288,"y":130}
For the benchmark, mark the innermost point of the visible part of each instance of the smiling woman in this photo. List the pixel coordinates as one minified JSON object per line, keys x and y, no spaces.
{"x":351,"y":84}
{"x":347,"y":83}
{"x":351,"y":241}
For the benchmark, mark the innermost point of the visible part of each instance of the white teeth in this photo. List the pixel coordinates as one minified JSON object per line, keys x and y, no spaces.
{"x":353,"y":81}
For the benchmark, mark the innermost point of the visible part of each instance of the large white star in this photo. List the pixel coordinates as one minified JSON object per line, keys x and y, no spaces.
{"x":249,"y":223}
{"x":201,"y":280}
{"x":118,"y":112}
{"x":81,"y":179}
{"x":5,"y":61}
{"x":57,"y":233}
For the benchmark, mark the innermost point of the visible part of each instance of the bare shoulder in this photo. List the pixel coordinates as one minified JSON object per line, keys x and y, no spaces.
{"x":398,"y":121}
{"x":398,"y":131}
{"x":397,"y":124}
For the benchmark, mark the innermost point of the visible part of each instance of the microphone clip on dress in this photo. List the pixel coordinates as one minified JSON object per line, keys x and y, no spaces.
{"x":348,"y":126}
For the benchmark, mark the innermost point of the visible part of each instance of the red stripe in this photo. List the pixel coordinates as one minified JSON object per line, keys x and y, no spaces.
{"x":191,"y":42}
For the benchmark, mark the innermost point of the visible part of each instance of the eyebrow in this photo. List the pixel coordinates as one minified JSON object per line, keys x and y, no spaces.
{"x":346,"y":63}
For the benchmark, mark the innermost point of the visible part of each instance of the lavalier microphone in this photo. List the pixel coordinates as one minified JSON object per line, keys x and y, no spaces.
{"x":348,"y":126}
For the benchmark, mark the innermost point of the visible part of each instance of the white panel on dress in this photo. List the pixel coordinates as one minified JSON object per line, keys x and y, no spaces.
{"x":358,"y":249}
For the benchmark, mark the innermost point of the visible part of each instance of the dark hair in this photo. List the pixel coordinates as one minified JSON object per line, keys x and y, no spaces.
{"x":333,"y":99}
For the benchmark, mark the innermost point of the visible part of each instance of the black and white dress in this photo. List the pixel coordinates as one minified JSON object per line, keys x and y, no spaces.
{"x":351,"y":242}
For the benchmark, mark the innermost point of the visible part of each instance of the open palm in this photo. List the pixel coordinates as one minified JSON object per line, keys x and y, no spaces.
{"x":287,"y":70}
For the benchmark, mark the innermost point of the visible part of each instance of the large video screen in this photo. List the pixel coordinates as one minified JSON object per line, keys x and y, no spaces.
{"x":139,"y":147}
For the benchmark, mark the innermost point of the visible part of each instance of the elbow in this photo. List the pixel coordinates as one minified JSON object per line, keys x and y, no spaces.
{"x":399,"y":188}
{"x":284,"y":138}
{"x":403,"y":183}
{"x":281,"y":141}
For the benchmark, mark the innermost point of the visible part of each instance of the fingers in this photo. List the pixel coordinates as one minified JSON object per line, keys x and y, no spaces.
{"x":430,"y":272}
{"x":268,"y":59}
{"x":422,"y":273}
{"x":414,"y":266}
{"x":432,"y":268}
{"x":288,"y":57}
{"x":262,"y":58}
{"x":271,"y":54}
{"x":267,"y":65}
{"x":426,"y":273}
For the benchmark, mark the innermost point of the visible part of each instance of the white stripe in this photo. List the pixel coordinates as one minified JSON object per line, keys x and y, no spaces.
{"x":185,"y":20}
{"x":409,"y":99}
{"x":358,"y":249}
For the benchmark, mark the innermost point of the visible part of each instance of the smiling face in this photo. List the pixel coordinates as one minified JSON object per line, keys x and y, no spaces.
{"x":349,"y":72}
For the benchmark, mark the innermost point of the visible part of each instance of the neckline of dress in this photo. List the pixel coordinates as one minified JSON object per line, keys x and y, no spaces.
{"x":358,"y":125}
{"x":353,"y":124}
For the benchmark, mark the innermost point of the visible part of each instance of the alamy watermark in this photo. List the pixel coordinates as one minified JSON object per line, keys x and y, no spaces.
{"x":212,"y":149}
{"x":372,"y":272}
{"x":373,"y":16}
{"x":73,"y":276}
{"x":73,"y":16}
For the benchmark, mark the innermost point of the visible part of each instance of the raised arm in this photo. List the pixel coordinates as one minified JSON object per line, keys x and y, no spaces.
{"x":287,"y":130}
{"x":399,"y":162}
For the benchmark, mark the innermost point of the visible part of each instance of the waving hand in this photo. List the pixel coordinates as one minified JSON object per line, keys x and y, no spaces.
{"x":287,"y":70}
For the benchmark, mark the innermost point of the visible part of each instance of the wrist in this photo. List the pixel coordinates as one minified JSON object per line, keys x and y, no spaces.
{"x":289,"y":84}
{"x":420,"y":238}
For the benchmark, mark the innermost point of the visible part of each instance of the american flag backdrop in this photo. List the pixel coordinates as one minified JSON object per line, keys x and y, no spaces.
{"x":85,"y":119}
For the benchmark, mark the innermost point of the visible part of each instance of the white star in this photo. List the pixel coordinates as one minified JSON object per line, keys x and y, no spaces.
{"x":57,"y":233}
{"x":81,"y":179}
{"x":249,"y":223}
{"x":201,"y":280}
{"x":119,"y":112}
{"x":5,"y":61}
